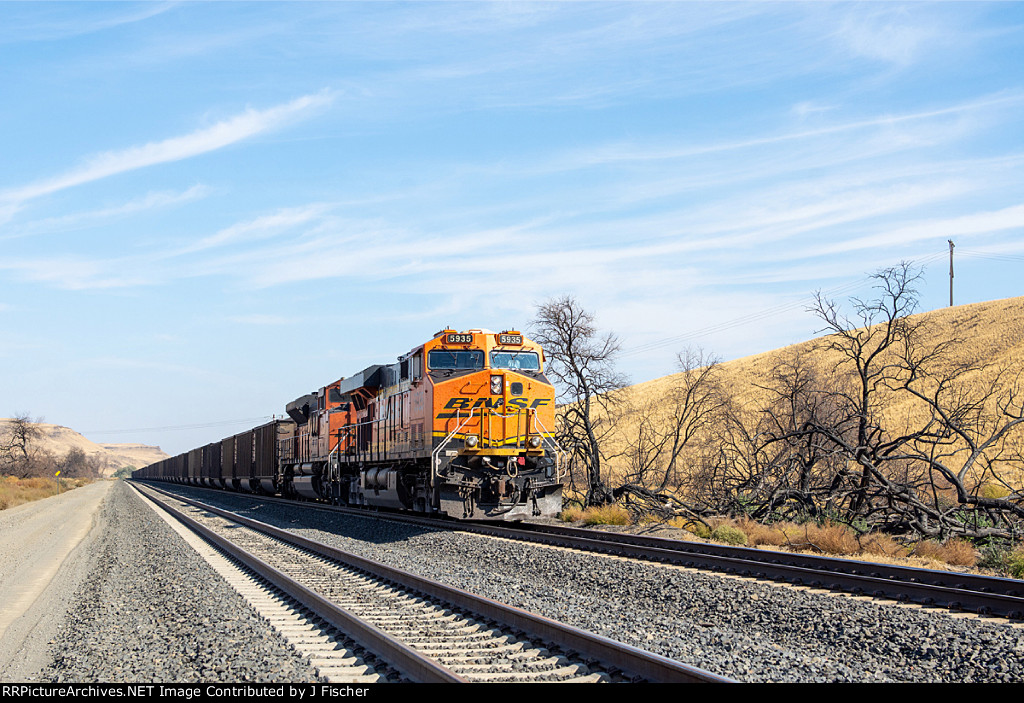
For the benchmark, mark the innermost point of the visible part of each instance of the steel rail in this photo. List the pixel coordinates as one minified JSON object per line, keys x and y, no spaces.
{"x":975,"y":592}
{"x":986,"y":595}
{"x":634,"y":662}
{"x":405,"y":659}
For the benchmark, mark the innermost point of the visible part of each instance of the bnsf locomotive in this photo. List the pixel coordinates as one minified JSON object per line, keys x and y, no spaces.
{"x":460,"y":426}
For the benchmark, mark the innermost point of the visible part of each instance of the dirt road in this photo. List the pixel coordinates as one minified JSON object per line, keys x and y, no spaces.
{"x":43,"y":557}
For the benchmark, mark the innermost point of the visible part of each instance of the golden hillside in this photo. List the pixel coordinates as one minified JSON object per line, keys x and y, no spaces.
{"x":991,"y":336}
{"x":994,"y":330}
{"x":58,"y":440}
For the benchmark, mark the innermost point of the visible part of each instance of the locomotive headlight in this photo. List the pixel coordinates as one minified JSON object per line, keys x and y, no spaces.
{"x":471,"y":441}
{"x":534,"y":442}
{"x":495,"y":385}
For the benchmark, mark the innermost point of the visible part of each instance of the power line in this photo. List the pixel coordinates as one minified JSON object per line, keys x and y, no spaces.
{"x":994,"y":257}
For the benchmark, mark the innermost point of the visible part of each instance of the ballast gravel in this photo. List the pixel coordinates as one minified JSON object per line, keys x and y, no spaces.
{"x":747,"y":630}
{"x":152,"y":610}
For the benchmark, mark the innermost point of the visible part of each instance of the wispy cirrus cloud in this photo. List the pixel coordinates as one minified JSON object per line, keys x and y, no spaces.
{"x":56,"y":27}
{"x":224,"y":133}
{"x":151,"y":201}
{"x":891,"y":35}
{"x":262,"y":227}
{"x":970,"y":225}
{"x":619,"y":153}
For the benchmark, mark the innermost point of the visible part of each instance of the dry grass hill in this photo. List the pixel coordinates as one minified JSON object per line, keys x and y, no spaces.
{"x":58,"y":440}
{"x":991,"y":334}
{"x":994,"y":333}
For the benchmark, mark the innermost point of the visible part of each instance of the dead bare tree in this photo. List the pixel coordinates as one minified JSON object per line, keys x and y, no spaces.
{"x":790,"y":474}
{"x":663,"y":450}
{"x":969,"y":446}
{"x":77,"y":464}
{"x":19,"y":455}
{"x":924,"y":476}
{"x":827,"y":442}
{"x":581,"y":362}
{"x":866,"y":344}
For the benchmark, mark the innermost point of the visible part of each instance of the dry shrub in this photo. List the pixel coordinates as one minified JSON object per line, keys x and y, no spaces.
{"x":682,"y":523}
{"x":828,"y":538}
{"x":955,"y":551}
{"x":15,"y":491}
{"x":729,"y":534}
{"x":928,"y":549}
{"x":881,"y":545}
{"x":758,"y":533}
{"x":571,"y":514}
{"x":959,"y":552}
{"x":606,"y":515}
{"x":792,"y":531}
{"x":1015,"y":564}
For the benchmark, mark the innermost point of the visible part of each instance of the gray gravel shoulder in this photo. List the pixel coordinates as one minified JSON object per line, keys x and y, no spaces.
{"x":747,"y":630}
{"x":151,"y":610}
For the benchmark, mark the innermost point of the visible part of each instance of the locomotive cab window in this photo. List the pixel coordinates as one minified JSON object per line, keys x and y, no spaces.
{"x":518,"y":360}
{"x":442,"y":359}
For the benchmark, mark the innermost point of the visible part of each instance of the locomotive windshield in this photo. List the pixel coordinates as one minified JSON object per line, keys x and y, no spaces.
{"x":522,"y":360}
{"x":452,"y":359}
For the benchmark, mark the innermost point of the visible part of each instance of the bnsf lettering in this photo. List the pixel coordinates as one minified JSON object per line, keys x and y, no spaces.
{"x":469,"y":403}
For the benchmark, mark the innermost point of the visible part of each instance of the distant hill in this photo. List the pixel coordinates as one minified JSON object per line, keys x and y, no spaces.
{"x":58,"y":440}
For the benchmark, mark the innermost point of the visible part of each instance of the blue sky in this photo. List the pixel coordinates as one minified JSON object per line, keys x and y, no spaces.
{"x":209,"y":209}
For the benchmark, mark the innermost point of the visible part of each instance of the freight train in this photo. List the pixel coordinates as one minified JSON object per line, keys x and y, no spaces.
{"x":460,"y":426}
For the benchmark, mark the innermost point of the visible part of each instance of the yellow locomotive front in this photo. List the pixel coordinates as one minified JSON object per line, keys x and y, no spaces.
{"x":493,"y":452}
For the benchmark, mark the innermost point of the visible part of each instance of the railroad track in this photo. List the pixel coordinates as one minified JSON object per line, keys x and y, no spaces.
{"x":421,"y":629}
{"x":984,"y":595}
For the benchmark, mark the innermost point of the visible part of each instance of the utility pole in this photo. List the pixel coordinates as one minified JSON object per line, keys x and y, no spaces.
{"x":950,"y":272}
